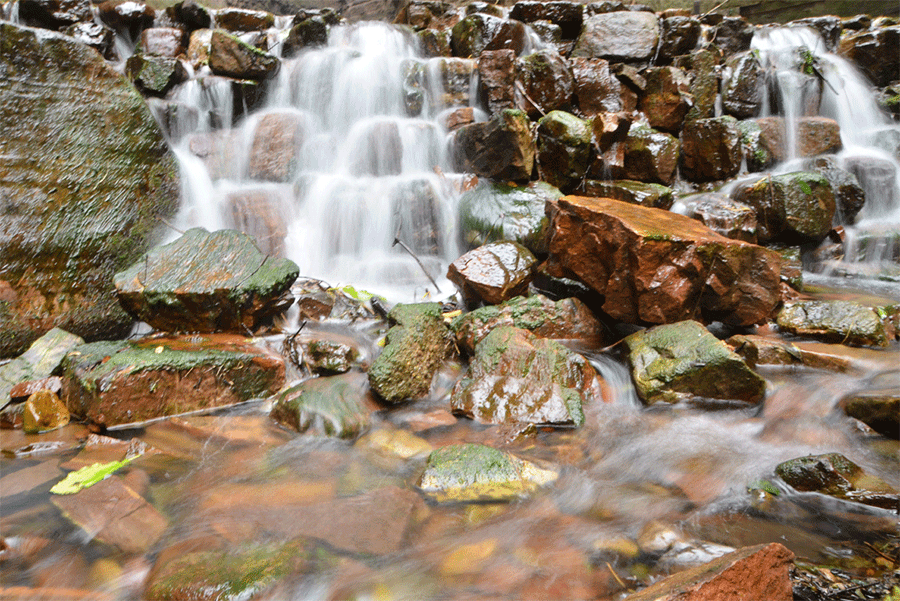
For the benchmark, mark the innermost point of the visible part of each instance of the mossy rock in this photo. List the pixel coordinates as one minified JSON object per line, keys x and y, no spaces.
{"x":844,"y":322}
{"x":564,"y":149}
{"x":333,"y":406}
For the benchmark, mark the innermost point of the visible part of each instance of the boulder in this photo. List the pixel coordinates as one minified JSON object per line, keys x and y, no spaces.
{"x":679,"y":35}
{"x":501,"y":148}
{"x":207,"y":282}
{"x":155,"y":75}
{"x":191,"y":14}
{"x":115,"y":383}
{"x":765,"y":140}
{"x":415,"y":348}
{"x":163,"y":41}
{"x":849,"y":195}
{"x":126,"y":16}
{"x":493,"y":212}
{"x":827,"y":26}
{"x":742,"y":95}
{"x":497,"y":80}
{"x":242,"y":19}
{"x":597,"y":90}
{"x":328,"y":357}
{"x":790,"y":208}
{"x":732,"y":35}
{"x":65,"y":230}
{"x":878,"y":177}
{"x":277,"y":139}
{"x":873,"y":52}
{"x":677,"y":268}
{"x":680,"y":361}
{"x":618,"y":36}
{"x":609,"y":129}
{"x":42,"y":359}
{"x":566,"y":319}
{"x":54,"y":14}
{"x":96,"y":35}
{"x":878,"y":409}
{"x":834,"y":475}
{"x":636,"y":193}
{"x":493,"y":273}
{"x":666,"y":98}
{"x":563,"y":149}
{"x":651,"y":156}
{"x":472,"y":473}
{"x":453,"y":76}
{"x":308,"y":33}
{"x":711,"y":149}
{"x":724,"y":216}
{"x":844,"y":322}
{"x":479,"y":32}
{"x":232,"y":57}
{"x":546,"y":83}
{"x":703,"y":66}
{"x":333,"y":406}
{"x":422,"y":15}
{"x":435,"y":42}
{"x":261,"y":213}
{"x":567,"y":15}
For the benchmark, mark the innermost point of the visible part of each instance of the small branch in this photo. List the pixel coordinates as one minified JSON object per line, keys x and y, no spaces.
{"x":170,"y":225}
{"x":413,"y":255}
{"x":521,"y":89}
{"x":716,"y":7}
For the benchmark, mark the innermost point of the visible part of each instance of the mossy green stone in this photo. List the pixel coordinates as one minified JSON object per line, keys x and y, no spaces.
{"x":326,"y":406}
{"x":844,"y":322}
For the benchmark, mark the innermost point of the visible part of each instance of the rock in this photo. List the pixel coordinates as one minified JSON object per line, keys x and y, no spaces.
{"x":416,"y":347}
{"x":126,"y":16}
{"x":492,"y":212}
{"x":501,"y":148}
{"x":637,"y":193}
{"x":794,"y":207}
{"x":743,"y":91}
{"x":563,"y":149}
{"x":329,"y":357}
{"x":679,"y":268}
{"x":733,"y":35}
{"x":872,"y":51}
{"x":765,"y":140}
{"x":834,"y":475}
{"x":96,"y":35}
{"x":878,"y":177}
{"x":21,"y":391}
{"x":309,"y":33}
{"x":115,"y":383}
{"x":163,"y":41}
{"x":711,"y":149}
{"x":435,"y":43}
{"x":566,"y":319}
{"x":597,"y":90}
{"x":609,"y":129}
{"x":828,"y":26}
{"x":479,"y":32}
{"x":755,"y":143}
{"x":454,"y":77}
{"x":517,"y":377}
{"x":618,"y":36}
{"x":760,"y":572}
{"x":675,"y":362}
{"x":849,"y":195}
{"x":493,"y":273}
{"x":65,"y":230}
{"x":241,"y":19}
{"x":567,"y":15}
{"x":679,"y":35}
{"x":207,"y":282}
{"x":44,"y":412}
{"x":759,"y":350}
{"x":155,"y":75}
{"x":666,"y":98}
{"x":277,"y":140}
{"x":497,"y":79}
{"x":332,"y":406}
{"x":261,"y":213}
{"x":426,"y":14}
{"x":846,"y":322}
{"x":468,"y":473}
{"x":54,"y":14}
{"x":724,"y":216}
{"x":650,"y":156}
{"x":818,"y":135}
{"x":880,"y":410}
{"x":193,"y":15}
{"x":113,"y":513}
{"x":42,"y":359}
{"x":546,"y":81}
{"x":231,"y":57}
{"x":703,"y":65}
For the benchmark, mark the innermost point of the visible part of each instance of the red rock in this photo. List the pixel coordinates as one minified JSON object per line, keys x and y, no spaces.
{"x":163,"y":41}
{"x":493,"y":273}
{"x":497,"y":79}
{"x":597,"y":90}
{"x":666,"y":99}
{"x":276,"y":142}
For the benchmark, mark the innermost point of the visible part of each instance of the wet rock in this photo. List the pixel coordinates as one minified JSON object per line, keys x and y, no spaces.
{"x":155,"y":75}
{"x":675,"y":362}
{"x":566,"y":319}
{"x":666,"y":98}
{"x":44,"y":412}
{"x":422,"y":15}
{"x":54,"y":14}
{"x":435,"y":43}
{"x":567,"y":15}
{"x":328,"y":357}
{"x":113,"y":513}
{"x":497,"y":79}
{"x":609,"y":129}
{"x":454,"y":77}
{"x":759,"y":350}
{"x":333,"y":406}
{"x":261,"y":214}
{"x":619,"y":36}
{"x":206,"y":282}
{"x":96,"y":35}
{"x":733,"y":35}
{"x":163,"y":41}
{"x":42,"y":359}
{"x":479,"y":32}
{"x":114,"y":383}
{"x":679,"y":35}
{"x":651,"y":156}
{"x":818,"y":135}
{"x":724,"y":216}
{"x":232,"y":57}
{"x":276,"y":144}
{"x":760,"y":140}
{"x":126,"y":16}
{"x":241,"y":19}
{"x":637,"y":193}
{"x":547,"y":83}
{"x":21,"y":391}
{"x":65,"y":230}
{"x":880,"y":410}
{"x":849,"y":195}
{"x":563,"y":149}
{"x":829,"y":27}
{"x":794,"y":207}
{"x":493,"y":273}
{"x":416,"y":347}
{"x":872,"y":51}
{"x":760,"y":572}
{"x":308,"y":33}
{"x":703,"y":65}
{"x":878,"y":177}
{"x":681,"y":269}
{"x":765,"y":140}
{"x":834,"y":475}
{"x":844,"y":322}
{"x":517,"y":377}
{"x":597,"y":90}
{"x":191,"y":14}
{"x":711,"y":149}
{"x":493,"y":212}
{"x":468,"y":473}
{"x":743,"y":91}
{"x":501,"y":148}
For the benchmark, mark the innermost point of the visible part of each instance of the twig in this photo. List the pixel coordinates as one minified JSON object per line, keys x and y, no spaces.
{"x":715,"y":8}
{"x":616,"y":576}
{"x":521,"y":89}
{"x":413,"y":255}
{"x":170,"y":225}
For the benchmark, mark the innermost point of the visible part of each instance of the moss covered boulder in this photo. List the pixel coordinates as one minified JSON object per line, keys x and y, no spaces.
{"x":207,"y":282}
{"x":114,"y":383}
{"x":493,"y":273}
{"x":87,"y":175}
{"x":415,"y":349}
{"x":232,"y":57}
{"x":844,"y":322}
{"x":155,"y":75}
{"x":679,"y":361}
{"x":468,"y":473}
{"x":563,"y":149}
{"x":516,"y":376}
{"x":834,"y":475}
{"x":333,"y":406}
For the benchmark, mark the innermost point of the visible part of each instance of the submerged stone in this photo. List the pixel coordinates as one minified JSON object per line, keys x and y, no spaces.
{"x":333,"y":406}
{"x":845,"y":322}
{"x":42,"y":359}
{"x":468,"y":473}
{"x":493,"y":273}
{"x":878,"y":409}
{"x":675,"y":362}
{"x":834,"y":475}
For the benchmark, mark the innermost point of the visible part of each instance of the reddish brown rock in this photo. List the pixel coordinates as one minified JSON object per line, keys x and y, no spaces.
{"x":815,"y":135}
{"x":261,"y":214}
{"x":546,"y":83}
{"x":501,"y":148}
{"x":479,"y":32}
{"x":497,"y":79}
{"x":609,"y":128}
{"x":232,"y":57}
{"x":650,"y":156}
{"x":597,"y":90}
{"x":875,"y":53}
{"x":493,"y":273}
{"x":666,"y":99}
{"x":653,"y":266}
{"x":163,"y":41}
{"x":276,"y":143}
{"x":239,"y":19}
{"x":123,"y":15}
{"x":759,"y":573}
{"x":711,"y":149}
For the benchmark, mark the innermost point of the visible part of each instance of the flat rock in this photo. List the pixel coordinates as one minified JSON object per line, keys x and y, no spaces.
{"x":493,"y":273}
{"x":42,"y":358}
{"x":206,"y":282}
{"x":845,"y":322}
{"x":878,"y":409}
{"x":677,"y":269}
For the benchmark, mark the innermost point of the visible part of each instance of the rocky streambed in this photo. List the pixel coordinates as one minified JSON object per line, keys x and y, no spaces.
{"x":620,"y":401}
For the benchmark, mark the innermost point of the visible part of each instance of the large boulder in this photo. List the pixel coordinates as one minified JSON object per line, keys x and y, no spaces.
{"x":66,"y":230}
{"x":873,"y":52}
{"x":849,"y":195}
{"x":845,"y":322}
{"x":651,"y":156}
{"x":563,"y":149}
{"x":619,"y":36}
{"x":207,"y":282}
{"x":679,"y":36}
{"x":155,"y":75}
{"x":547,"y":82}
{"x":493,"y":273}
{"x":479,"y":32}
{"x":680,"y":361}
{"x":501,"y":148}
{"x":597,"y":89}
{"x":232,"y":57}
{"x":654,"y":266}
{"x":711,"y":149}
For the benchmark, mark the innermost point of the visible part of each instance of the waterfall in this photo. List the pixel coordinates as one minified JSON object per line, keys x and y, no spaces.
{"x":346,"y":156}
